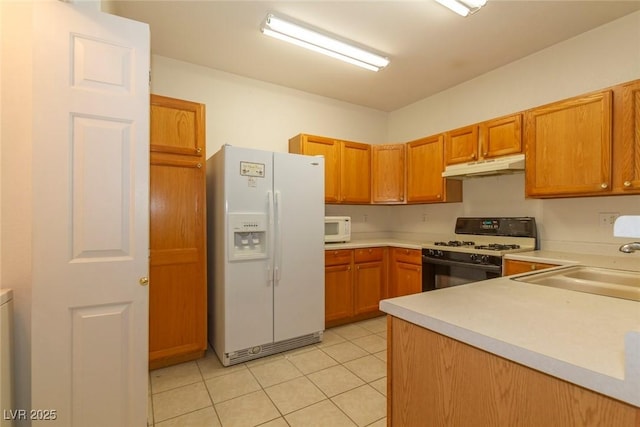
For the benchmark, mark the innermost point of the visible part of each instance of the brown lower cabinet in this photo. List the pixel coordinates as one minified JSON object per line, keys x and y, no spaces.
{"x":438,"y":381}
{"x":354,"y":284}
{"x":405,"y":272}
{"x":357,"y":279}
{"x":338,"y":286}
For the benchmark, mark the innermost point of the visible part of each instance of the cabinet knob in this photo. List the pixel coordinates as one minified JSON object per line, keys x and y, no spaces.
{"x":199,"y":150}
{"x":627,"y":183}
{"x":604,"y":185}
{"x":335,"y":253}
{"x":199,"y":165}
{"x":533,"y":266}
{"x":438,"y":196}
{"x":484,"y":154}
{"x":473,"y":156}
{"x":143,"y":281}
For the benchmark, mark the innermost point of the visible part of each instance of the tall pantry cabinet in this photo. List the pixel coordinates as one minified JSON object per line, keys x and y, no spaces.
{"x":177,"y":261}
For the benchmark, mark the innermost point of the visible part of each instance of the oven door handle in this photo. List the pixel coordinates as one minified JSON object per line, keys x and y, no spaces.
{"x":483,"y":267}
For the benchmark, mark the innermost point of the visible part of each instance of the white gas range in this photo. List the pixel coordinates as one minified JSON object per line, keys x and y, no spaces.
{"x":476,"y":250}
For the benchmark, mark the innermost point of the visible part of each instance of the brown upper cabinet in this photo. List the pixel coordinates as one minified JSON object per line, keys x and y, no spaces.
{"x":177,"y":126}
{"x":461,"y":145}
{"x":424,"y":173}
{"x":492,"y":138}
{"x":347,"y":166}
{"x":626,"y":138}
{"x":568,"y":147}
{"x":355,"y":172}
{"x":388,"y":173}
{"x":501,"y":136}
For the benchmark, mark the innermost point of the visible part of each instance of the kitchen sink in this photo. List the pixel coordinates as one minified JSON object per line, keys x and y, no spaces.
{"x":601,"y":281}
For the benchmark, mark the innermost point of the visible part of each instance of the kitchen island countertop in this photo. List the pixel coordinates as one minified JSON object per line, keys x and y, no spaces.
{"x":589,"y":340}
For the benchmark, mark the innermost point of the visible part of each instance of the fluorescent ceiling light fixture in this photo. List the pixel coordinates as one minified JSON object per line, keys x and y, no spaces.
{"x":310,"y":39}
{"x":463,"y":7}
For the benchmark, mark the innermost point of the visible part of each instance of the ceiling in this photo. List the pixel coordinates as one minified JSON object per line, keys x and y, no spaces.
{"x":431,"y":48}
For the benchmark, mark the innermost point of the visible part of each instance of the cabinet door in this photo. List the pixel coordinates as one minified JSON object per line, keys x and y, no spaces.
{"x":500,"y":137}
{"x":405,"y":279}
{"x":338,"y":292}
{"x":177,"y":126}
{"x":626,"y":172}
{"x":368,"y":286}
{"x":355,"y":172}
{"x":461,"y":145}
{"x":516,"y":267}
{"x":177,"y":275}
{"x":424,"y":172}
{"x":388,"y":171}
{"x":568,"y":147}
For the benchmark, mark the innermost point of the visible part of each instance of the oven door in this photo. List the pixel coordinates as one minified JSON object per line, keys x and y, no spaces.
{"x":438,"y":273}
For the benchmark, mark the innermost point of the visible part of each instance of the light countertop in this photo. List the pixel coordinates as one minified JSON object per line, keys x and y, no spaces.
{"x":589,"y":340}
{"x":619,"y":262}
{"x":372,"y":243}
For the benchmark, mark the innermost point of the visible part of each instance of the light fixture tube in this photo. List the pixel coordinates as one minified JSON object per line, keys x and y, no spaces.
{"x":463,"y":7}
{"x":300,"y":36}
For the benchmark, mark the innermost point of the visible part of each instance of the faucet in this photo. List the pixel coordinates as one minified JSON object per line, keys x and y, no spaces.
{"x":630,"y":247}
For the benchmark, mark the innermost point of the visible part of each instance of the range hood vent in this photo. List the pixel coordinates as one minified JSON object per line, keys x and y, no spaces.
{"x":497,"y":166}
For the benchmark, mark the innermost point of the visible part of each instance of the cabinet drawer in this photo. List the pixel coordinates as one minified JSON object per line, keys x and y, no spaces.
{"x":517,"y":267}
{"x":338,"y":257}
{"x":369,"y":254}
{"x":410,"y":256}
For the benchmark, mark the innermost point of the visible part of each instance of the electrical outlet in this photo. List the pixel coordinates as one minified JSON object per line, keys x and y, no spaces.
{"x":606,"y":219}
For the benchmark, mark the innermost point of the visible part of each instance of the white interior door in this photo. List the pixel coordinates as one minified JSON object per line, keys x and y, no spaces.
{"x":90,"y":237}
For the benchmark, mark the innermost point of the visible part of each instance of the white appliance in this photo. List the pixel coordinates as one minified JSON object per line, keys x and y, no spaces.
{"x":496,"y":166}
{"x":265,"y":252}
{"x":337,"y":229}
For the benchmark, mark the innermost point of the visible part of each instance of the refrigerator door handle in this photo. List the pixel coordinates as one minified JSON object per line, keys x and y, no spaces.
{"x":278,"y":237}
{"x":270,"y":236}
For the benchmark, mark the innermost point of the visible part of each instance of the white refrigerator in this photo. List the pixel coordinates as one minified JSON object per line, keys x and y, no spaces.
{"x":265,"y":252}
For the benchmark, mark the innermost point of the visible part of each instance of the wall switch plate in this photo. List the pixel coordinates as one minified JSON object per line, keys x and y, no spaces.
{"x":607,"y":219}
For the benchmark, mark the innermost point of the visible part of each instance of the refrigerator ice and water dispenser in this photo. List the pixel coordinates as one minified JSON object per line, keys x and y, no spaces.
{"x":247,"y":236}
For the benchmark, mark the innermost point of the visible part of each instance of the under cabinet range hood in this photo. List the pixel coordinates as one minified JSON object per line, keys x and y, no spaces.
{"x":497,"y":166}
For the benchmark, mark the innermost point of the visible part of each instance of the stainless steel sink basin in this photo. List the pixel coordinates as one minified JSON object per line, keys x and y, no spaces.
{"x":601,"y":281}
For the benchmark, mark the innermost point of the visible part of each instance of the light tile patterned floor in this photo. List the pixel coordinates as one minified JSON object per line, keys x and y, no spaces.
{"x":339,"y":382}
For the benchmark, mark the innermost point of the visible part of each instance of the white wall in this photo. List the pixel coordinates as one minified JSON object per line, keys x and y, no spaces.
{"x":603,"y":57}
{"x":254,"y":114}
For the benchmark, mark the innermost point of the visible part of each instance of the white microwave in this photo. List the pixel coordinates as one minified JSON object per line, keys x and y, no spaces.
{"x":337,"y":228}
